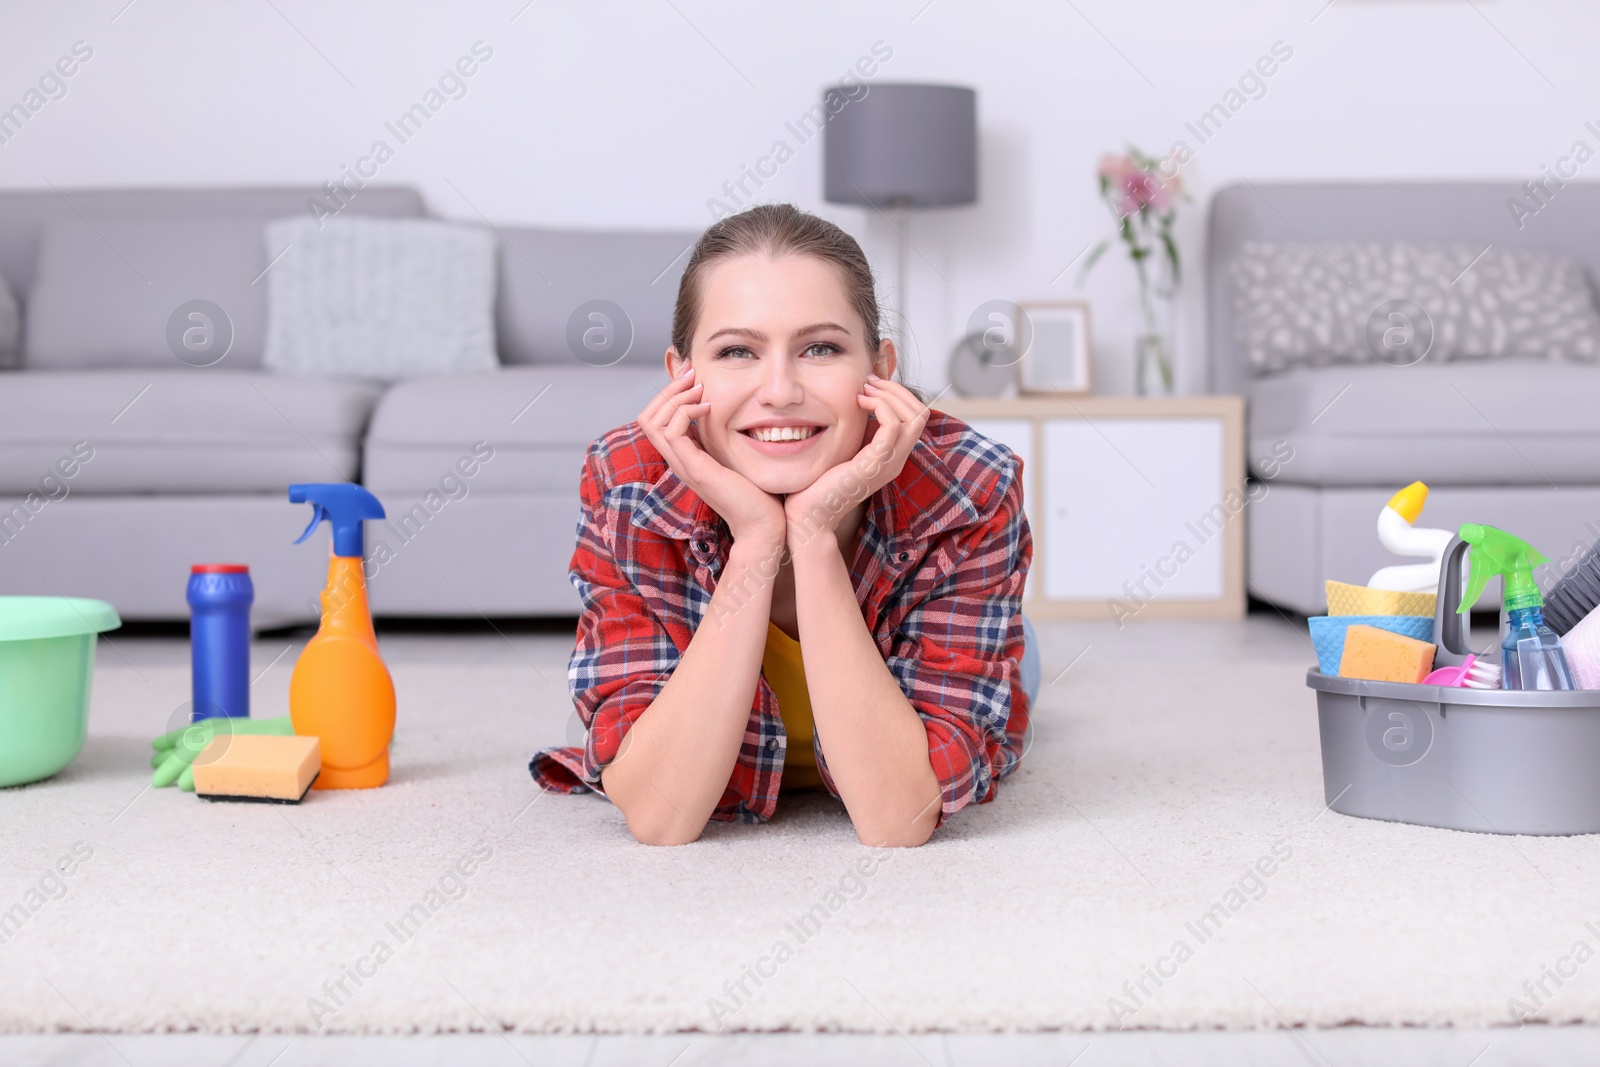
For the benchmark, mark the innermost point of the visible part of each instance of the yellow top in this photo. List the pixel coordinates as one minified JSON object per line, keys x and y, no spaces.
{"x":786,"y":675}
{"x":1408,"y":502}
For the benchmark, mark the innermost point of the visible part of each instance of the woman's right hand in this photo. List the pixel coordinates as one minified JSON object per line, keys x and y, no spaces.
{"x":752,"y":514}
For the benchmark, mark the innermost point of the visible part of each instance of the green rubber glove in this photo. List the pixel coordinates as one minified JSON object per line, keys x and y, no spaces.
{"x":176,"y":750}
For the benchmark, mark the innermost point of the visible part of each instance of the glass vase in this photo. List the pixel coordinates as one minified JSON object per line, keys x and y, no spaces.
{"x":1153,"y":370}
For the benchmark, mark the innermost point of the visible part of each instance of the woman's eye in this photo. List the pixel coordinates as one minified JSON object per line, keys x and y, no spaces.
{"x":735,"y":352}
{"x":827,"y":349}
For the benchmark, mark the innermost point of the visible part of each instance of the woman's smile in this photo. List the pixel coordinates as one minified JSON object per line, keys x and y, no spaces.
{"x":780,"y":438}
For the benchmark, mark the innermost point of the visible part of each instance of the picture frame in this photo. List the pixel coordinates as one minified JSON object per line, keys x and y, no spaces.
{"x":1059,"y":360}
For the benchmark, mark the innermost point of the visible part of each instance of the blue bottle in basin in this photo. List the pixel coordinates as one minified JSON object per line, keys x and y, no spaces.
{"x":220,"y":595}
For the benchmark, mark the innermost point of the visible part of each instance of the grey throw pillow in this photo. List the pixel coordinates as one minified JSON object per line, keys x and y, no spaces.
{"x":380,"y":298}
{"x":10,"y":329}
{"x":1361,"y":302}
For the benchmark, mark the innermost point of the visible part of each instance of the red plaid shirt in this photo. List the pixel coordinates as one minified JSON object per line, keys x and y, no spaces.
{"x":938,"y":572}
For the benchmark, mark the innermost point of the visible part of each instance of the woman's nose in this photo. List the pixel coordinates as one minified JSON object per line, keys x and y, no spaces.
{"x":780,"y":386}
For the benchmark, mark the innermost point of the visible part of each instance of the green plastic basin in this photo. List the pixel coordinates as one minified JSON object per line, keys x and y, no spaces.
{"x":46,"y":663}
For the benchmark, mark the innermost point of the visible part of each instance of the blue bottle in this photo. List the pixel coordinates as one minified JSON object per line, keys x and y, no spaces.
{"x":220,"y":595}
{"x":1531,"y":655}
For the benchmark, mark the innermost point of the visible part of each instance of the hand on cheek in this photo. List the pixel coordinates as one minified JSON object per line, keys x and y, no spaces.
{"x":886,"y":444}
{"x":666,"y":420}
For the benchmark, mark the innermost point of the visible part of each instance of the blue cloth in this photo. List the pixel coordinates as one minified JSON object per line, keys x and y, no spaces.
{"x":1031,"y":665}
{"x":1031,"y":668}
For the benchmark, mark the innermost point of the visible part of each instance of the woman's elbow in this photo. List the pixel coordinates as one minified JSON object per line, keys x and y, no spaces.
{"x":898,"y":833}
{"x":661,"y":837}
{"x":908,"y":837}
{"x":661,"y":827}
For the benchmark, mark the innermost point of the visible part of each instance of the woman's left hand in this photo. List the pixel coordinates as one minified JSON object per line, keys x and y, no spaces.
{"x":820,"y":507}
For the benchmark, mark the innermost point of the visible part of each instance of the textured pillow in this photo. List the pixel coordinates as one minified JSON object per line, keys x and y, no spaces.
{"x":379,"y":298}
{"x":10,"y":328}
{"x":1298,"y":305}
{"x":118,"y":293}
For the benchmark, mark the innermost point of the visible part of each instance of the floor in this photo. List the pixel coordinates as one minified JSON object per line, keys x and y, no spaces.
{"x":1263,"y":635}
{"x":1345,"y":1047}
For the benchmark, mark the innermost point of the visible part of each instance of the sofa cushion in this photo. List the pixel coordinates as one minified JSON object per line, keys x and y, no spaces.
{"x":110,"y":294}
{"x":179,"y":431}
{"x":535,"y":423}
{"x":1298,"y":304}
{"x":1498,"y":423}
{"x":551,"y":282}
{"x":380,"y":298}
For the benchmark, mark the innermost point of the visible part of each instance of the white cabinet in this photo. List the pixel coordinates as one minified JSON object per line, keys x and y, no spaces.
{"x":1136,"y":505}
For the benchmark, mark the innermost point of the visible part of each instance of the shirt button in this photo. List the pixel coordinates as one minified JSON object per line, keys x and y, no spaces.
{"x":903,"y":556}
{"x":772,"y":744}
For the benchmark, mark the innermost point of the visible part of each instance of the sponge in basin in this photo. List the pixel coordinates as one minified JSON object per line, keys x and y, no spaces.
{"x":276,"y":769}
{"x":1345,"y":599}
{"x":1328,"y":632}
{"x":1383,"y":656}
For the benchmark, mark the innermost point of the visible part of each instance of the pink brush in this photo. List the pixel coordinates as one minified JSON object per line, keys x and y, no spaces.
{"x":1470,"y":675}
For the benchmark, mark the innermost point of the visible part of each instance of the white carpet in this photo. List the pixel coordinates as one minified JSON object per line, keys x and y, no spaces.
{"x":1145,"y":801}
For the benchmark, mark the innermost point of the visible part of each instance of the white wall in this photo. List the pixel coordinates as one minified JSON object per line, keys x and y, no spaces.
{"x":634,"y":112}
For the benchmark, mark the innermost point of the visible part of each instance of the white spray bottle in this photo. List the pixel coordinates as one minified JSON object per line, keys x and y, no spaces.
{"x":1403,"y":539}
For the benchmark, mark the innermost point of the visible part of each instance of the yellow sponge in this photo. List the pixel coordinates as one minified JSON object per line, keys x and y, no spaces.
{"x":1381,"y":656}
{"x":264,"y":767}
{"x":1362,"y":600}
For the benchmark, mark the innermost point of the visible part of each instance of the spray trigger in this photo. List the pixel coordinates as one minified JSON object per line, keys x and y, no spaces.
{"x":316,"y":517}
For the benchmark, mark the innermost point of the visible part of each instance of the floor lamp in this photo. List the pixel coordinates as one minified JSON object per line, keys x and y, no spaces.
{"x":899,"y":146}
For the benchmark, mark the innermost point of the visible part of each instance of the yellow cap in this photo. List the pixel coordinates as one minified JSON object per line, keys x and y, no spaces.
{"x":1408,"y":501}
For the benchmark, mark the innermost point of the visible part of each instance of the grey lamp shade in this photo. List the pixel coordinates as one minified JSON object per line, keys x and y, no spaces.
{"x":915,"y":145}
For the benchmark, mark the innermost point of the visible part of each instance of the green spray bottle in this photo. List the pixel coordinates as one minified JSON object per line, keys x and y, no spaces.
{"x":1531,"y":656}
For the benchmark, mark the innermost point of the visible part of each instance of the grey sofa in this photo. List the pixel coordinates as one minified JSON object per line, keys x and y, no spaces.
{"x":1514,"y":444}
{"x":122,"y":464}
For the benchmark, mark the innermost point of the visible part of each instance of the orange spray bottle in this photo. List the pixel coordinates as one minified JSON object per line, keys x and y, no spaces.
{"x":341,"y":692}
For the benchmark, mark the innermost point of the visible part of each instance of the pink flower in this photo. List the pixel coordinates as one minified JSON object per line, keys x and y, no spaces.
{"x":1134,"y":188}
{"x":1113,"y":166}
{"x":1141,"y":189}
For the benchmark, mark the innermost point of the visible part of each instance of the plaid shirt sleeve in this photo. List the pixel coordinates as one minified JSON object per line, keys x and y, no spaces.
{"x":623,"y":654}
{"x":957,"y":652}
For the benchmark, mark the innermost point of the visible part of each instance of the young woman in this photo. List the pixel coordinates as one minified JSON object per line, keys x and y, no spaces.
{"x":794,"y":574}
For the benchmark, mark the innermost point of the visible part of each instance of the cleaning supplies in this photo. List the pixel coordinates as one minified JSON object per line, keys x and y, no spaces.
{"x":219,"y":596}
{"x":258,"y":767}
{"x":1346,"y":599}
{"x":1474,"y":673}
{"x":1530,"y":652}
{"x":1383,"y":656}
{"x":1572,"y":608}
{"x":1582,"y":645}
{"x":1328,"y":633}
{"x":341,"y":692}
{"x":176,"y":751}
{"x":1398,"y":535}
{"x":1575,"y":596}
{"x":1497,"y":761}
{"x":1410,"y":614}
{"x":47,"y":646}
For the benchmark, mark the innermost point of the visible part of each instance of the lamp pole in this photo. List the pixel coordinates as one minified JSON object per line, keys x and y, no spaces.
{"x":900,"y":219}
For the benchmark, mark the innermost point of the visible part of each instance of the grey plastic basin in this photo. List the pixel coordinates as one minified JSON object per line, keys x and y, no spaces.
{"x":1491,"y":760}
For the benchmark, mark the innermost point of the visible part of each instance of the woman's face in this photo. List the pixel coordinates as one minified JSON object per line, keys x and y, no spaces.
{"x":782,"y":358}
